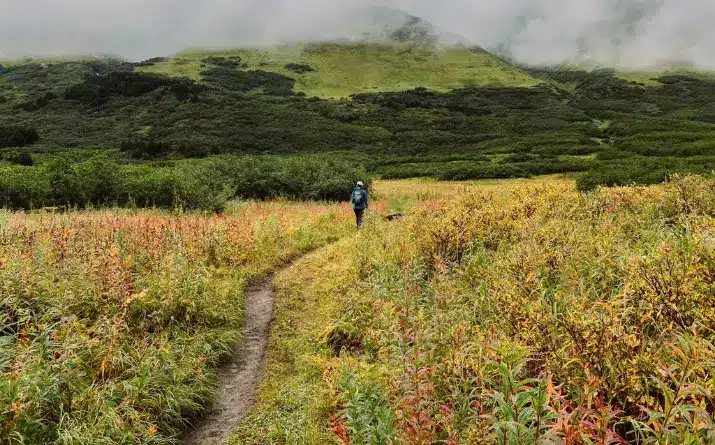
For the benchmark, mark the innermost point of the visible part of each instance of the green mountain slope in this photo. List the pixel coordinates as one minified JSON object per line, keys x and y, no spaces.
{"x":411,"y":110}
{"x":343,"y":69}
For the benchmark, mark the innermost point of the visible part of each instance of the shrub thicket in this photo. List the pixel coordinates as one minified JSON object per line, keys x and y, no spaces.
{"x":299,"y":68}
{"x":151,"y":62}
{"x":237,"y":111}
{"x":226,"y":62}
{"x":98,"y":89}
{"x":244,"y":81}
{"x":15,"y":136}
{"x":100,"y":180}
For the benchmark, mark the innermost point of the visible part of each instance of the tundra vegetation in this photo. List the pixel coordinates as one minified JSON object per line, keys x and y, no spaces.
{"x":396,"y":110}
{"x":113,"y":322}
{"x":141,"y":199}
{"x":523,"y":314}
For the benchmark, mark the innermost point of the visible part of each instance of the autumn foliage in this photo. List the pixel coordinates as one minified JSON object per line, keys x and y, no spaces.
{"x":538,"y":315}
{"x":112,"y":323}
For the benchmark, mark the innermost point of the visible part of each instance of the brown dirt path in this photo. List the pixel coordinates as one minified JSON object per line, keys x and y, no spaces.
{"x":239,"y":377}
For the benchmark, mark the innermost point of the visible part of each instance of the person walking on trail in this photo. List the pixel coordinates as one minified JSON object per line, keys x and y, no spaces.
{"x":360,"y":201}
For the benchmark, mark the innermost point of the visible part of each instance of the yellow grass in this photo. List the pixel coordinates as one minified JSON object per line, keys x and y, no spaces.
{"x":114,"y":321}
{"x":513,"y":297}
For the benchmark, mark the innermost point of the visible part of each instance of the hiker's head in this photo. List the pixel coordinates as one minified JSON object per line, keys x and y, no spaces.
{"x":360,"y":184}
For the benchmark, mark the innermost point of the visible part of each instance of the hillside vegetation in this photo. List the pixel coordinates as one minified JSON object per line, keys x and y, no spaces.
{"x":98,"y":179}
{"x":524,"y":314}
{"x":339,"y":70}
{"x":415,"y":110}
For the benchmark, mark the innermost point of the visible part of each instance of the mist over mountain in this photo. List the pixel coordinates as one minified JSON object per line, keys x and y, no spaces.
{"x":619,"y":33}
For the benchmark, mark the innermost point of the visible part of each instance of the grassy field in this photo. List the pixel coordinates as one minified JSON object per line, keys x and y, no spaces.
{"x":403,"y":196}
{"x":532,"y":314}
{"x":113,"y":322}
{"x":651,"y":78}
{"x":345,"y":69}
{"x":497,"y":312}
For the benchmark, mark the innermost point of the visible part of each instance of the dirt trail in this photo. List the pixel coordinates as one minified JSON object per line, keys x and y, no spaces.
{"x":239,"y":378}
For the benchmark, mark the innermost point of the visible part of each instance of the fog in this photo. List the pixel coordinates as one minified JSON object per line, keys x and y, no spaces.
{"x":619,"y":33}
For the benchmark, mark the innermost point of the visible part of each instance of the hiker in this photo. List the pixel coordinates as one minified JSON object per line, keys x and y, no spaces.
{"x":360,"y":201}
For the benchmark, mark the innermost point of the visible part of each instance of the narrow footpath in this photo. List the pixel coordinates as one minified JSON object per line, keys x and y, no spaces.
{"x":240,"y":376}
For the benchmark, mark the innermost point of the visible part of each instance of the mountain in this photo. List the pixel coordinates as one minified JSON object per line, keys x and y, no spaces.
{"x":405,"y":104}
{"x":395,"y":51}
{"x":346,"y":68}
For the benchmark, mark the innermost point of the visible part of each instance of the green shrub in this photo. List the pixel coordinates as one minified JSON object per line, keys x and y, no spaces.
{"x":24,"y":187}
{"x":641,"y":170}
{"x":299,"y":68}
{"x":244,"y":81}
{"x":226,"y":62}
{"x":17,"y":136}
{"x":98,"y":89}
{"x":240,"y":112}
{"x":79,"y":179}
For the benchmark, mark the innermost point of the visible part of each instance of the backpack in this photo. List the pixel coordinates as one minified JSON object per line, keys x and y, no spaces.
{"x":358,"y":197}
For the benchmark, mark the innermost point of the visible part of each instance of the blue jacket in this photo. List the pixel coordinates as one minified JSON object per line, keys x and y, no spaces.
{"x":360,"y":199}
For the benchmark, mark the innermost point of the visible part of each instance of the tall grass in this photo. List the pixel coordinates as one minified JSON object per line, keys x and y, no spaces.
{"x":112,"y":323}
{"x":544,"y":315}
{"x":531,"y":315}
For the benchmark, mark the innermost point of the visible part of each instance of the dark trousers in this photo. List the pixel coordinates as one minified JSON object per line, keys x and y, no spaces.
{"x":358,"y":216}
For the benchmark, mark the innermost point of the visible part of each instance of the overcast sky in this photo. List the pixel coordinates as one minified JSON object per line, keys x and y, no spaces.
{"x":628,"y":33}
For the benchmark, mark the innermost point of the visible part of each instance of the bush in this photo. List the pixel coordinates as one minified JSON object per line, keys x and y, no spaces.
{"x":24,"y":187}
{"x":627,"y":171}
{"x":232,"y":62}
{"x":244,"y":81}
{"x":151,"y":62}
{"x":144,"y":148}
{"x":198,"y":186}
{"x":96,"y":181}
{"x":98,"y":89}
{"x":149,"y":186}
{"x":299,"y":68}
{"x":25,"y":158}
{"x":18,"y":158}
{"x":15,"y":136}
{"x":76,"y":180}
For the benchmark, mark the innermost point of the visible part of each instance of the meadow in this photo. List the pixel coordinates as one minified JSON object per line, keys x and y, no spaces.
{"x":497,"y":311}
{"x":113,"y":322}
{"x":339,"y":70}
{"x":525,"y":314}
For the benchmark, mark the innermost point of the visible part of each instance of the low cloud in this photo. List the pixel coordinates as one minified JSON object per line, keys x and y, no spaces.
{"x":619,"y":33}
